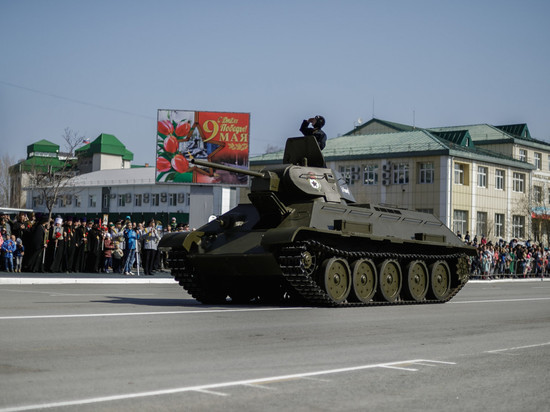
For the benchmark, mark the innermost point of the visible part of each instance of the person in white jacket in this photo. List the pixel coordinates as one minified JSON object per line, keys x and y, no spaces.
{"x":150,"y":244}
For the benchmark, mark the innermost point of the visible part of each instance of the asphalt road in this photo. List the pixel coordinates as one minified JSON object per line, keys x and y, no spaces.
{"x":105,"y":347}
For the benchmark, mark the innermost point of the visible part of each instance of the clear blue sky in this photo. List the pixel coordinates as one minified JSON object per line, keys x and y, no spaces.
{"x":107,"y":66}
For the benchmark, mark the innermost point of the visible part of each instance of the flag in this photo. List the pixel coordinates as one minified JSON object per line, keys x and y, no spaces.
{"x":86,"y":141}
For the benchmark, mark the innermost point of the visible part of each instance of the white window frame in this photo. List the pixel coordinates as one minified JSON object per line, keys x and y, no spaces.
{"x":482,"y":173}
{"x":370,"y":174}
{"x":401,"y":174}
{"x":426,"y":173}
{"x":499,"y":179}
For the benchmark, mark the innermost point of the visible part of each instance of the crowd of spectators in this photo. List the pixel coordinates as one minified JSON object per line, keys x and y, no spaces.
{"x":502,"y":259}
{"x":39,"y":244}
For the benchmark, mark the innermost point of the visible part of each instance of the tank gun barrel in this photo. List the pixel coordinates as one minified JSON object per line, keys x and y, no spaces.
{"x":227,"y":168}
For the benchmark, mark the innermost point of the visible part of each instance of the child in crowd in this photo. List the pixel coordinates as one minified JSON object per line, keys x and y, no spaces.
{"x":8,"y":247}
{"x":18,"y":255}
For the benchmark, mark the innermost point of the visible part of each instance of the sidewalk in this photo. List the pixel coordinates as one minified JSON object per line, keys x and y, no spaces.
{"x":116,"y":278}
{"x":10,"y":278}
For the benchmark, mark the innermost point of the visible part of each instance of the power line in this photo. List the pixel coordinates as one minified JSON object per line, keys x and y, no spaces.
{"x":68,"y":99}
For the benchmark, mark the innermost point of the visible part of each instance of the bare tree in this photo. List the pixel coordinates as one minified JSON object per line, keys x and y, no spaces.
{"x":5,"y":162}
{"x":272,"y":149}
{"x":52,"y":180}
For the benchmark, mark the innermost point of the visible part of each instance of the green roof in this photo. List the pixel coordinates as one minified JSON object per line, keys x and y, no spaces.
{"x":401,"y":144}
{"x":458,"y":137}
{"x":518,"y":130}
{"x":396,"y":127}
{"x":42,"y":146}
{"x":37,"y":163}
{"x":105,"y":144}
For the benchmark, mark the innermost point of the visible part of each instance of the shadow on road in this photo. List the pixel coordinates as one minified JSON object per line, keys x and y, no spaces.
{"x":125,"y":300}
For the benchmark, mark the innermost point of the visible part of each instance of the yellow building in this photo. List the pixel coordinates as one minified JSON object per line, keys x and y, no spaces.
{"x":487,"y":180}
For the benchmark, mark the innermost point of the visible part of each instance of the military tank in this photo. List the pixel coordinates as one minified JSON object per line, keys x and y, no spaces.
{"x":303,"y":239}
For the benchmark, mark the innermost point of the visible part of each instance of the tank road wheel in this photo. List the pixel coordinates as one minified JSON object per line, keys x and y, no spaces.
{"x":440,"y":280}
{"x":416,"y":282}
{"x":364,"y":280}
{"x":337,"y":279}
{"x":389,"y":281}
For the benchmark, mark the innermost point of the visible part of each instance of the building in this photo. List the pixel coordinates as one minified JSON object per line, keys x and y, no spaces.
{"x":487,"y":180}
{"x":105,"y":183}
{"x":41,"y":156}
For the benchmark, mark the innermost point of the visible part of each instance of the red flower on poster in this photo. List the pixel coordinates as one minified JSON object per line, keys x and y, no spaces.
{"x":213,"y":136}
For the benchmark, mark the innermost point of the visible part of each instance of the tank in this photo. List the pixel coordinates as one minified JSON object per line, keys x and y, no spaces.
{"x":303,"y":239}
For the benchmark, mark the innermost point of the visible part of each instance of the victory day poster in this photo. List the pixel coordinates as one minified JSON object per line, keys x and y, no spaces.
{"x":216,"y":137}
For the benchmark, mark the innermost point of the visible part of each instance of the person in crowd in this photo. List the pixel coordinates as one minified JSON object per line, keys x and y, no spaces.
{"x":18,"y":255}
{"x":108,"y":247}
{"x":37,"y":245}
{"x":56,"y":257}
{"x":131,"y":238}
{"x":70,"y":248}
{"x":151,"y":238}
{"x":8,"y":247}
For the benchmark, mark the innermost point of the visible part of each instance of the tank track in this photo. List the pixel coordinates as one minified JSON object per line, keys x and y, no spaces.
{"x":292,"y":266}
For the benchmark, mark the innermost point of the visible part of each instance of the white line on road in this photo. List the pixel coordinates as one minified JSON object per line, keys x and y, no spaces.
{"x":211,"y":388}
{"x":175,"y":312}
{"x":518,"y":347}
{"x":497,"y":300}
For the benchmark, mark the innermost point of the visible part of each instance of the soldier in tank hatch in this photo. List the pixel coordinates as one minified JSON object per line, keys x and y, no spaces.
{"x":317,"y":124}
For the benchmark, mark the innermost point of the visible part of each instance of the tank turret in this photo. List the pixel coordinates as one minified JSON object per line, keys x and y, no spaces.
{"x":304,"y":238}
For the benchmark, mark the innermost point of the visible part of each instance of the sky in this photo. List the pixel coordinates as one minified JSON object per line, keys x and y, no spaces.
{"x":107,"y":66}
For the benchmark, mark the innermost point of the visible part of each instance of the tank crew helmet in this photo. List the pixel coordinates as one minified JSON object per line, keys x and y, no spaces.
{"x":319,"y":122}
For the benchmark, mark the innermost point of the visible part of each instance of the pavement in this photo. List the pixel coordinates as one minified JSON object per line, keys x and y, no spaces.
{"x":24,"y":278}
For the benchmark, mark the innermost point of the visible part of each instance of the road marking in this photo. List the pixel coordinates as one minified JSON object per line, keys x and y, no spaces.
{"x":176,"y":312}
{"x":210,"y":392}
{"x":212,"y":388}
{"x":518,"y":347}
{"x":497,"y":300}
{"x":400,"y":368}
{"x":71,"y":294}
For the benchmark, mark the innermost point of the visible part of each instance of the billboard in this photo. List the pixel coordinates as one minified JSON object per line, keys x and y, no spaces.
{"x":219,"y":137}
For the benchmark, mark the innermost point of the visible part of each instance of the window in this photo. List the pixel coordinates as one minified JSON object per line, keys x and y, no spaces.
{"x":518,"y":182}
{"x":106,"y":201}
{"x":77,"y":201}
{"x":499,"y":179}
{"x":460,"y":221}
{"x":481,"y":226}
{"x":155,"y":199}
{"x":459,"y":174}
{"x":138,"y":199}
{"x":523,"y":155}
{"x":122,"y":200}
{"x":370,"y":174}
{"x":350,"y":173}
{"x":537,"y":194}
{"x":430,"y":211}
{"x":538,"y":160}
{"x":92,"y":201}
{"x":401,"y":173}
{"x":482,"y":177}
{"x":426,"y":173}
{"x":518,"y":226}
{"x":173,"y":199}
{"x":499,"y":224}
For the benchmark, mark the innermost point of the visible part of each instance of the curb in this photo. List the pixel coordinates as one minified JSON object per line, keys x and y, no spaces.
{"x":72,"y":281}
